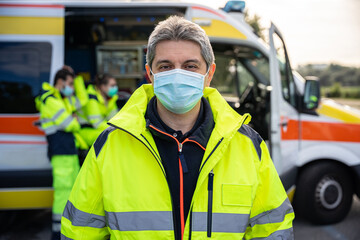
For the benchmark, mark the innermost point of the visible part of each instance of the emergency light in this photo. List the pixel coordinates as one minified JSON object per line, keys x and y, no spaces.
{"x":234,"y":6}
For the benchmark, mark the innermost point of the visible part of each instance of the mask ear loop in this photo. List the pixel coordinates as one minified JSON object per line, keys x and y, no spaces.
{"x":151,"y":72}
{"x":207,"y":72}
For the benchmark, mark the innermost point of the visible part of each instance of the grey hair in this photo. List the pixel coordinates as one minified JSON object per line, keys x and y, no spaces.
{"x":178,"y":28}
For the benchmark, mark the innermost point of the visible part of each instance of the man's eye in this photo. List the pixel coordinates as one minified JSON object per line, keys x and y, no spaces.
{"x":191,"y":67}
{"x":164,"y":68}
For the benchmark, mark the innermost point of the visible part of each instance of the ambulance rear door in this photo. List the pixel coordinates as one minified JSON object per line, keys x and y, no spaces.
{"x":31,"y":51}
{"x":284,"y":114}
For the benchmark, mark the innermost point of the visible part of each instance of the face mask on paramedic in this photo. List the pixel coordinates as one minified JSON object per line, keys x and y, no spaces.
{"x":67,"y":91}
{"x":112,"y":91}
{"x":179,"y":90}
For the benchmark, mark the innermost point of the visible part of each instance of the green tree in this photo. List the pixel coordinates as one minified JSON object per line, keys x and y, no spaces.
{"x":254,"y":21}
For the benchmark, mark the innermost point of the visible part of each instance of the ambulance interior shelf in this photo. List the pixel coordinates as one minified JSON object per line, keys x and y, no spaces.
{"x":123,"y":60}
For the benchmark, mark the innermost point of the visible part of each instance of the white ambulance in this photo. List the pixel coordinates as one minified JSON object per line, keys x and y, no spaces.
{"x":315,"y":147}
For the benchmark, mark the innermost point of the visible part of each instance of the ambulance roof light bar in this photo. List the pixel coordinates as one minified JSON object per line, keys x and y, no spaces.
{"x":234,"y":6}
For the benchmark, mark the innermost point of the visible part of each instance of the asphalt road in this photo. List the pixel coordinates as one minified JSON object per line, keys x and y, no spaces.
{"x":36,"y":225}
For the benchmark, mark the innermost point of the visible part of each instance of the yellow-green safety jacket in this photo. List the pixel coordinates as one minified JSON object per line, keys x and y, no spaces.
{"x":55,"y":112}
{"x":122,"y":191}
{"x":57,"y":121}
{"x":96,"y":111}
{"x":80,"y":99}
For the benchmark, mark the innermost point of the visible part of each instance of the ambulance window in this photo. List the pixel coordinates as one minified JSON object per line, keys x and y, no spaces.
{"x":24,"y":66}
{"x":245,"y":79}
{"x":225,"y":75}
{"x":287,"y":80}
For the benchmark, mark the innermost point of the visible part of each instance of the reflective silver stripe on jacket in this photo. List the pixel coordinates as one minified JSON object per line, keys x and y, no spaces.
{"x":221,"y":222}
{"x":77,"y":104}
{"x":56,"y":227}
{"x":65,"y":123}
{"x":275,"y":215}
{"x":50,"y":130}
{"x":92,"y":117}
{"x":122,"y":221}
{"x":56,"y":219}
{"x":53,"y":119}
{"x":287,"y":234}
{"x":98,"y":118}
{"x":53,"y":128}
{"x":140,"y":221}
{"x":111,"y":114}
{"x":82,"y":120}
{"x":83,"y":219}
{"x":97,"y":124}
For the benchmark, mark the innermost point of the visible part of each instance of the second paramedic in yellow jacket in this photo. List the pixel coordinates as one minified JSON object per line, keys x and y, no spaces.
{"x":177,"y":162}
{"x":60,"y":124}
{"x":100,"y":107}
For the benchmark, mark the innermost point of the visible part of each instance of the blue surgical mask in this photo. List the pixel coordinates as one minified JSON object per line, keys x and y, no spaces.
{"x":112,"y":91}
{"x":178,"y":90}
{"x":67,"y":91}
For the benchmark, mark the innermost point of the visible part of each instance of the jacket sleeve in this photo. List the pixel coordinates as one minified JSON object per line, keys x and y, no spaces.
{"x":271,"y":214}
{"x":80,"y":91}
{"x":84,"y":215}
{"x":55,"y":111}
{"x":112,"y":107}
{"x":94,"y":115}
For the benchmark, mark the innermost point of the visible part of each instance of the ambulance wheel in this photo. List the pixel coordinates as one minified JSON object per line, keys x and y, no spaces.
{"x":324,"y":193}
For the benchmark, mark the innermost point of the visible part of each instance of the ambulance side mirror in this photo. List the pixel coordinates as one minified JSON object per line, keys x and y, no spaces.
{"x":311,"y":96}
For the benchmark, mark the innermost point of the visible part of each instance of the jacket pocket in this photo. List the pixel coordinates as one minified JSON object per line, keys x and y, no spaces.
{"x":236,"y":195}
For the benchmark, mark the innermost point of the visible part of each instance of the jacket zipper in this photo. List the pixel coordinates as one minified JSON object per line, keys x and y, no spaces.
{"x":182,"y":169}
{"x":211,"y":153}
{"x":210,"y":202}
{"x":181,"y":174}
{"x":159,"y":163}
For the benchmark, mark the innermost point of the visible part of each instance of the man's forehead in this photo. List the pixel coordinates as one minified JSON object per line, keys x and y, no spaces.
{"x":69,"y":78}
{"x":177,"y":51}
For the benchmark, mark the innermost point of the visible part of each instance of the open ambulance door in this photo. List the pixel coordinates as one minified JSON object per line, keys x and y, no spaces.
{"x":31,"y":50}
{"x":284,"y":120}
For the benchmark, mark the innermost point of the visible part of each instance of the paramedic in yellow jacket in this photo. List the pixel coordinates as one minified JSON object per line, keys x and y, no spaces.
{"x":59,"y":124}
{"x":100,"y":107}
{"x":177,"y":162}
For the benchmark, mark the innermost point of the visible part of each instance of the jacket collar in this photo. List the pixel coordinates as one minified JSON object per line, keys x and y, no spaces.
{"x":47,"y":88}
{"x":94,"y":91}
{"x":200,"y":132}
{"x":132,"y":116}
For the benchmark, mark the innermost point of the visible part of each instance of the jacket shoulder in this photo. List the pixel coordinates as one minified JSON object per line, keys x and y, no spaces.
{"x":101,"y":140}
{"x":254,"y":137}
{"x":46,"y":96}
{"x":92,"y":92}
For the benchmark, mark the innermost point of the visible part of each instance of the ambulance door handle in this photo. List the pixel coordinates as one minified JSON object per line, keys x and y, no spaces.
{"x":284,"y":124}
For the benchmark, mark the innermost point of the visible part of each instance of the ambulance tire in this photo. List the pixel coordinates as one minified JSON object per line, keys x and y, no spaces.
{"x":324,"y":193}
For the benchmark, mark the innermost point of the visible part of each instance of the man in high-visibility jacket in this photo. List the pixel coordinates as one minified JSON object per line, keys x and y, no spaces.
{"x":177,"y":162}
{"x":59,"y":124}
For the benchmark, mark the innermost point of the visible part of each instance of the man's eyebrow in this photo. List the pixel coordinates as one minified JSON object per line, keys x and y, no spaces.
{"x":192,"y":60}
{"x":162,"y":61}
{"x":168,"y":61}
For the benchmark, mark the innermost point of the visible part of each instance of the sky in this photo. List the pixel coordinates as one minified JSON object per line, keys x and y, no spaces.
{"x":315,"y":31}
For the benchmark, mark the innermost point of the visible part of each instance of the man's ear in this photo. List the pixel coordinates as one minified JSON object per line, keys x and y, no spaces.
{"x":210,"y":75}
{"x":148,"y":72}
